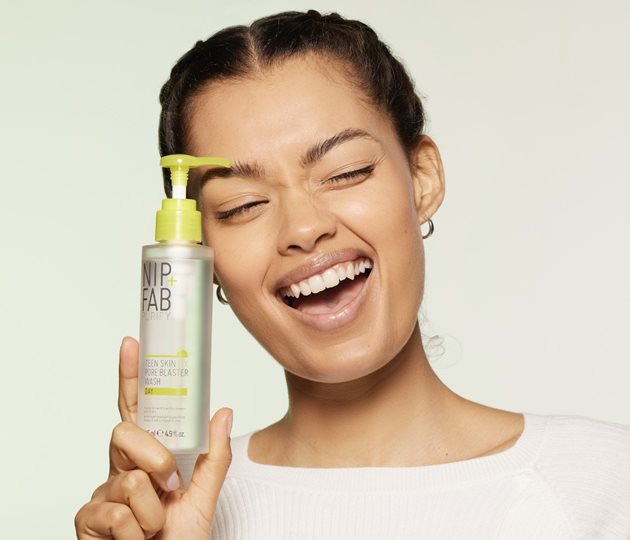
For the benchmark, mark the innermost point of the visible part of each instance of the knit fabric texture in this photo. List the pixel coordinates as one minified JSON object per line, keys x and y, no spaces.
{"x":566,"y":477}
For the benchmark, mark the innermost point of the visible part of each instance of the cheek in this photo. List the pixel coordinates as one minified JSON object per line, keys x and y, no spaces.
{"x":241,"y":261}
{"x":381,"y":212}
{"x":240,"y":258}
{"x":386,"y":219}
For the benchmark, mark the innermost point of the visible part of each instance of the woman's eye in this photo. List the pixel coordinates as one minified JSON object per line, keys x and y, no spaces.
{"x":239,"y":210}
{"x":365,"y":171}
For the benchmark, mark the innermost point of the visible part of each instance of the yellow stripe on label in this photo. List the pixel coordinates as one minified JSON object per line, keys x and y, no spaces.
{"x":182,"y":353}
{"x":156,"y":391}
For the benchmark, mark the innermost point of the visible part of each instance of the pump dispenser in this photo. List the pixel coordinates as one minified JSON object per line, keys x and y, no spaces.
{"x":179,"y":218}
{"x":175,"y":320}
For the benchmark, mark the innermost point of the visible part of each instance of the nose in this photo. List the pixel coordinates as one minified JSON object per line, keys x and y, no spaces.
{"x":304,"y":223}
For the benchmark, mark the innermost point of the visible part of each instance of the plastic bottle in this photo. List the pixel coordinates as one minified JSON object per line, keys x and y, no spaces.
{"x":175,"y":320}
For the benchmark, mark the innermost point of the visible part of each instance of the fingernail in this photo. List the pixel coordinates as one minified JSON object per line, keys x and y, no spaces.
{"x":228,"y":425}
{"x":173,"y":482}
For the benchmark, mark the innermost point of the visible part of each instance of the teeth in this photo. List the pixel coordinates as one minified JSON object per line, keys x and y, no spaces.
{"x":331,"y":279}
{"x":328,"y":279}
{"x":305,"y":288}
{"x":350,"y":271}
{"x":316,"y":283}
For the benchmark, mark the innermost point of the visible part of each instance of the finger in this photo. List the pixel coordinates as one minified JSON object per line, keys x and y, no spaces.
{"x":128,"y":379}
{"x":134,"y":489}
{"x":211,"y":468}
{"x":133,"y":448}
{"x":107,"y":520}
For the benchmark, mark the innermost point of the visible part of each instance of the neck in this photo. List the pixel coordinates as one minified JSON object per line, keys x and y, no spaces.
{"x":402,"y":414}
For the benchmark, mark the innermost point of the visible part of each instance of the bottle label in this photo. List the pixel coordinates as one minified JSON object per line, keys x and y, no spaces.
{"x":173,"y":379}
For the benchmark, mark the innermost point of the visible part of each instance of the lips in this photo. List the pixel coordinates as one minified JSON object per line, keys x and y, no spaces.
{"x":326,"y":292}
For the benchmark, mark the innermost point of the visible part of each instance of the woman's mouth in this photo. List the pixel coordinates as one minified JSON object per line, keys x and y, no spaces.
{"x":323,"y":297}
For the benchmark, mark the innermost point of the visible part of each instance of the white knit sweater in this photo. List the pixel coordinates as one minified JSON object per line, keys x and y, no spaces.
{"x":567,"y":477}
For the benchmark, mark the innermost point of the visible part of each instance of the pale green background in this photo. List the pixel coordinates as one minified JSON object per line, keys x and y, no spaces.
{"x":527,"y":272}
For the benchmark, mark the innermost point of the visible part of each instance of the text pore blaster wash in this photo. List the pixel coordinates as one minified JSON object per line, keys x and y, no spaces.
{"x":175,"y":322}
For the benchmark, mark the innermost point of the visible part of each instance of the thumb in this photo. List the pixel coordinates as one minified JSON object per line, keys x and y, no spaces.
{"x":211,"y":468}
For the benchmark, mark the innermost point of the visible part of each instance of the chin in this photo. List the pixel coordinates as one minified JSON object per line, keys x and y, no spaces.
{"x":342,"y":360}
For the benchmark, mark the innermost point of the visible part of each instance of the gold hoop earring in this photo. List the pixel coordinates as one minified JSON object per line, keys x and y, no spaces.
{"x":431,"y":229}
{"x":220,"y":296}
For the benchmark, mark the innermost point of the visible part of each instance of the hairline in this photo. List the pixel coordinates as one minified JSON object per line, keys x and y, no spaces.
{"x":259,"y":68}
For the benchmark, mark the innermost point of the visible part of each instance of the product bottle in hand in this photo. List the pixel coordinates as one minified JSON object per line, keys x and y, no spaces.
{"x":175,"y":323}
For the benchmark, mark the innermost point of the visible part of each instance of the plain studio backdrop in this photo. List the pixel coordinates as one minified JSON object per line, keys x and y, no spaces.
{"x":526,"y":273}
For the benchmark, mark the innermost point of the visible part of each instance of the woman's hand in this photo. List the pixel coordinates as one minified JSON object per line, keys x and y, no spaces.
{"x":143,"y":496}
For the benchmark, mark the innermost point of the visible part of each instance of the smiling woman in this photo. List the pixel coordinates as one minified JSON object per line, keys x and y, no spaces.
{"x":333,"y":186}
{"x":319,"y":252}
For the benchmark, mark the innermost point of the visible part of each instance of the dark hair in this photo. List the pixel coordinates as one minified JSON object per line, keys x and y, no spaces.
{"x":238,"y":51}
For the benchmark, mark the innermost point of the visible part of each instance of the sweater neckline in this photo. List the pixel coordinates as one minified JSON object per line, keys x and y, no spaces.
{"x":518,"y":457}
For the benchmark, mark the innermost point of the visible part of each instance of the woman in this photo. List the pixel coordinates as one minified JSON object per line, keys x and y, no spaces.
{"x":318,"y":233}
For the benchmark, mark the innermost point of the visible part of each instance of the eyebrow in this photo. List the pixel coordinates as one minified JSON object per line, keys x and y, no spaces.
{"x":313,"y":154}
{"x":317,"y":151}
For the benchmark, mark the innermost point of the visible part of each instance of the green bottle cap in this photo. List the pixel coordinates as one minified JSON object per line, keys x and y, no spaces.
{"x":179,"y":218}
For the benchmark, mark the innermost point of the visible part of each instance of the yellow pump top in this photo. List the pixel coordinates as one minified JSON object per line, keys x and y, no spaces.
{"x":179,"y":218}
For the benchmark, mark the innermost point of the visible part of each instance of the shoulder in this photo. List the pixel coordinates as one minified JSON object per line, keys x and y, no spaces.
{"x":586,"y":441}
{"x":586,"y":462}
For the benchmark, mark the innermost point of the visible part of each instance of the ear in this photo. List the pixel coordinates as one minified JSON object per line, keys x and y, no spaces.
{"x":428,"y":178}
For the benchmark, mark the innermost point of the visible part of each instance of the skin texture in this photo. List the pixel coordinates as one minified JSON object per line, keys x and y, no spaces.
{"x":363,"y":393}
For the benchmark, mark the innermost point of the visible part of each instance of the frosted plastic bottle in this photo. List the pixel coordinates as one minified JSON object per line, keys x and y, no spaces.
{"x":175,"y":320}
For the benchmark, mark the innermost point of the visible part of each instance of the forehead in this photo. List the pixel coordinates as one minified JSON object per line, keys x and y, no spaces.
{"x":280,"y":108}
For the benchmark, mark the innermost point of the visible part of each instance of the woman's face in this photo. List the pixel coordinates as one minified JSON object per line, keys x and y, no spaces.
{"x":320,"y":189}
